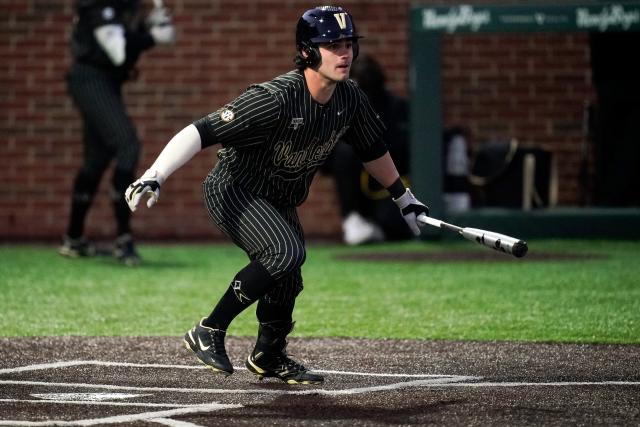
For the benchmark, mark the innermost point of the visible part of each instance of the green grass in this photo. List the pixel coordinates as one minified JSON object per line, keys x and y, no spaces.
{"x":525,"y":300}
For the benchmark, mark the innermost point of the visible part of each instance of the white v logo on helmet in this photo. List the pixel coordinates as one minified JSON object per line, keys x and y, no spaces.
{"x":342,"y":19}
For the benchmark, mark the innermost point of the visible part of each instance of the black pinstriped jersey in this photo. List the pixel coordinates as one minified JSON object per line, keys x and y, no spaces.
{"x":92,"y":14}
{"x":275,"y":136}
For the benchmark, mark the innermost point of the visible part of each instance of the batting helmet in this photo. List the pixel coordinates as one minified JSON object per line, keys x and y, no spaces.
{"x":323,"y":24}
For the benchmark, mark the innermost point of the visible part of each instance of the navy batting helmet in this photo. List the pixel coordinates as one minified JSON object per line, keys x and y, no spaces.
{"x":323,"y":24}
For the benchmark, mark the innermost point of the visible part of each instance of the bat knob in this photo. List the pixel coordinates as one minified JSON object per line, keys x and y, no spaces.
{"x":519,"y":249}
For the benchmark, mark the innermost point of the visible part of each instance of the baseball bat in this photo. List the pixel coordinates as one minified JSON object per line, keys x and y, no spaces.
{"x":499,"y":242}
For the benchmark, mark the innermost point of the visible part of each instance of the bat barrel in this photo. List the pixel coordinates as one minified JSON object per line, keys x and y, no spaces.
{"x":496,"y":241}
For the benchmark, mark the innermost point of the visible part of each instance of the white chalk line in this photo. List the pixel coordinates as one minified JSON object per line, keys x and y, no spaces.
{"x":441,"y":382}
{"x":414,"y":383}
{"x":543,"y":384}
{"x":57,"y":365}
{"x":40,"y":366}
{"x":89,"y":397}
{"x":173,"y":423}
{"x":90,"y":403}
{"x":144,"y":416}
{"x":161,"y":417}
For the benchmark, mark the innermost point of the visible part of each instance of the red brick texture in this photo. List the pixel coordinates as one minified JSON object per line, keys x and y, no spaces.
{"x":532,"y":87}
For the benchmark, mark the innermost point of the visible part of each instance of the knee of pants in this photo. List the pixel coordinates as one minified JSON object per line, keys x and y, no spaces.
{"x":287,"y":261}
{"x":286,"y":290}
{"x":88,"y":179}
{"x":127,"y":154}
{"x":121,"y":180}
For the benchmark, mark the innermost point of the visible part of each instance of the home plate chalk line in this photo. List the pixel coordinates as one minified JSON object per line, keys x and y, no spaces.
{"x":114,"y":393}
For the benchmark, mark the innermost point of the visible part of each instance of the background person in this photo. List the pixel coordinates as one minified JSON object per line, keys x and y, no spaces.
{"x":107,"y":40}
{"x":616,"y":77}
{"x":271,"y":141}
{"x":367,"y":210}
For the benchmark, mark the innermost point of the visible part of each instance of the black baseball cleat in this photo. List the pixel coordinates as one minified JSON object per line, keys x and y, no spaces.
{"x":75,"y":248}
{"x":282,"y":367}
{"x":125,"y":251}
{"x":269,"y":357}
{"x":208,"y":345}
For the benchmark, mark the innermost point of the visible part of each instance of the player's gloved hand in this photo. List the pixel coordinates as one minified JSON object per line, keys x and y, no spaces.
{"x":161,"y":26}
{"x":149,"y":183}
{"x":164,"y":34}
{"x":410,"y":207}
{"x":158,"y":16}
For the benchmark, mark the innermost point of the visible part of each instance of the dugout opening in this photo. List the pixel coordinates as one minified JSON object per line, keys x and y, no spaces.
{"x":431,"y":25}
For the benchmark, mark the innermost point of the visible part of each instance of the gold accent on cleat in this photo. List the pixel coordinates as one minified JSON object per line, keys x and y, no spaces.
{"x":216,"y":370}
{"x":258,"y":370}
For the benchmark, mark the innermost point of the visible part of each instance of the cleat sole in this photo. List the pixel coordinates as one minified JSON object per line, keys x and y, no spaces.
{"x":262,"y":374}
{"x":305,"y":382}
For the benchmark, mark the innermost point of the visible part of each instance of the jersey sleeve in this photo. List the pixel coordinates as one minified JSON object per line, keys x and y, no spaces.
{"x":245,"y":121}
{"x":138,"y":41}
{"x":366,"y":132}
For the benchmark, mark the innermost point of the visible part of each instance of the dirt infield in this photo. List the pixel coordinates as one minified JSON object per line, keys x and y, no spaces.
{"x":155,"y":381}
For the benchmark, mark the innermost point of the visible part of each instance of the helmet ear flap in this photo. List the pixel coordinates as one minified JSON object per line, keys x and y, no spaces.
{"x":312,"y":55}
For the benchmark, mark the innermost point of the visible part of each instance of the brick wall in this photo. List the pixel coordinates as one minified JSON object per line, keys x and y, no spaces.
{"x":532,"y":87}
{"x":529,"y":86}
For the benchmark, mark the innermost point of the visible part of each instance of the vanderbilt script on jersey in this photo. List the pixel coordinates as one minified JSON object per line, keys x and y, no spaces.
{"x":289,"y":162}
{"x":279,"y":135}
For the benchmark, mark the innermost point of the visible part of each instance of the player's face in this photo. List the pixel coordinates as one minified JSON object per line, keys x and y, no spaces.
{"x":336,"y":60}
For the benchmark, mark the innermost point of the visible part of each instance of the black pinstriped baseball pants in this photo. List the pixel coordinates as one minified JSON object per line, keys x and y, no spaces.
{"x":108,"y":134}
{"x":268,"y":234}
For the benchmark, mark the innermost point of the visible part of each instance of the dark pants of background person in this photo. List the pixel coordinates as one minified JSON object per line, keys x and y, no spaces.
{"x":346,"y":169}
{"x":618,"y":148}
{"x":108,"y":134}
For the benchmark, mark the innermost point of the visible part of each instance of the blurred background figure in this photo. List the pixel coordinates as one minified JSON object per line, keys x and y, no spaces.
{"x":616,"y":76}
{"x":368,"y":212}
{"x":107,"y":40}
{"x":455,"y":166}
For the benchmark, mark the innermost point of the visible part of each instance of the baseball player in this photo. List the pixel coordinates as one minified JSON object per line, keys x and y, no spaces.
{"x":108,"y":38}
{"x":271,"y":140}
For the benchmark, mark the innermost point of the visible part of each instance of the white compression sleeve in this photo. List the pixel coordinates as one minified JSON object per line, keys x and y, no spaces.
{"x":111,"y":38}
{"x":182,"y":147}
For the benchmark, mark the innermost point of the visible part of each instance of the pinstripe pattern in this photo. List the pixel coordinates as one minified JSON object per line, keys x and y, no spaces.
{"x":108,"y":130}
{"x":279,"y":135}
{"x":267,"y":234}
{"x":95,"y":85}
{"x":274,"y":138}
